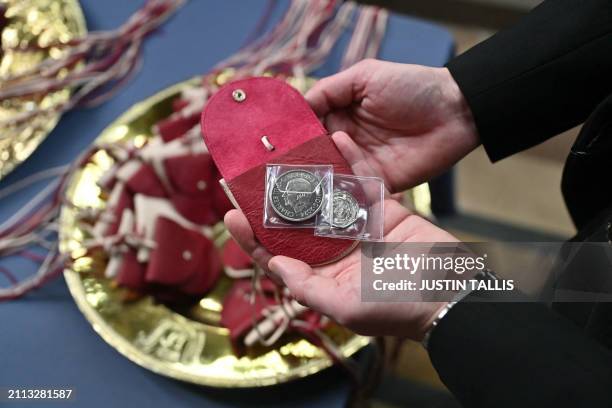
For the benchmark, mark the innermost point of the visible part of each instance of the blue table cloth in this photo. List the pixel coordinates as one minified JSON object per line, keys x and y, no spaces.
{"x":44,"y":341}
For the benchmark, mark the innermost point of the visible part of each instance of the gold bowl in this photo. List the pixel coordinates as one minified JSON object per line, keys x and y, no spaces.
{"x":31,"y":24}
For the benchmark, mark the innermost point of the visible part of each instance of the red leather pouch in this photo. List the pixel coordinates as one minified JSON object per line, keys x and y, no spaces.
{"x":176,"y":126}
{"x":242,"y":308}
{"x":234,"y":121}
{"x":182,"y":258}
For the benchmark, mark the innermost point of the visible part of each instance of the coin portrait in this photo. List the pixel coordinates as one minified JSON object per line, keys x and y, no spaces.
{"x":345,"y":209}
{"x":297,"y":195}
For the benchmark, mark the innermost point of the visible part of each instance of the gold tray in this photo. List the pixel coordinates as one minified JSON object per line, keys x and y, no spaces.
{"x":190,"y":345}
{"x":33,"y":22}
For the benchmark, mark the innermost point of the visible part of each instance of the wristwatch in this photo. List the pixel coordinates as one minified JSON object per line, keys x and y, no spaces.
{"x":485,"y":274}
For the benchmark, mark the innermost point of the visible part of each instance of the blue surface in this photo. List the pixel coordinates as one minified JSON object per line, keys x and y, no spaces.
{"x":44,"y":340}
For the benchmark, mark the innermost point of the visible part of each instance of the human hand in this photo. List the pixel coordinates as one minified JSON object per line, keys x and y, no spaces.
{"x":335,"y":289}
{"x":409,"y":121}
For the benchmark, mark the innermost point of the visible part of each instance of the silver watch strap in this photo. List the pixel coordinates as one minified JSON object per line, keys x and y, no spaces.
{"x":485,"y":274}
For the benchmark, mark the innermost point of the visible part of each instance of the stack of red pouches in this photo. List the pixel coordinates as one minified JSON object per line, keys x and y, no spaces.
{"x":162,"y":202}
{"x":248,"y":304}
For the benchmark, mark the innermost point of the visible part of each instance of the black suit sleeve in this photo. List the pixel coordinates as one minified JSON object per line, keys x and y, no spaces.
{"x":519,"y":355}
{"x":540,"y":77}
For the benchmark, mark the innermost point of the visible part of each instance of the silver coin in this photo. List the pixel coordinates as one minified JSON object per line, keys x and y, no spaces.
{"x":297,"y":195}
{"x":345,"y":209}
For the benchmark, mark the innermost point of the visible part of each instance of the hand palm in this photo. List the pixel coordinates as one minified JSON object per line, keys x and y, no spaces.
{"x":335,"y":289}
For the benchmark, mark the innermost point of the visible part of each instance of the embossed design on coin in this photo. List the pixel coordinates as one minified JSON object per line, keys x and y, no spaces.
{"x":297,"y":195}
{"x":345,"y":208}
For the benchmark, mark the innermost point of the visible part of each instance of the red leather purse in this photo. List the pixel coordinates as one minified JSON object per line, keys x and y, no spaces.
{"x":182,"y":263}
{"x":176,"y":126}
{"x":264,"y":314}
{"x":191,"y":179}
{"x":183,"y":258}
{"x":242,"y":308}
{"x":233,"y":123}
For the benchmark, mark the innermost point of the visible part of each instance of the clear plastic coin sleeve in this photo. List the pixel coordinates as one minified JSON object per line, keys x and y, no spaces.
{"x":295,"y":194}
{"x":356,"y":210}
